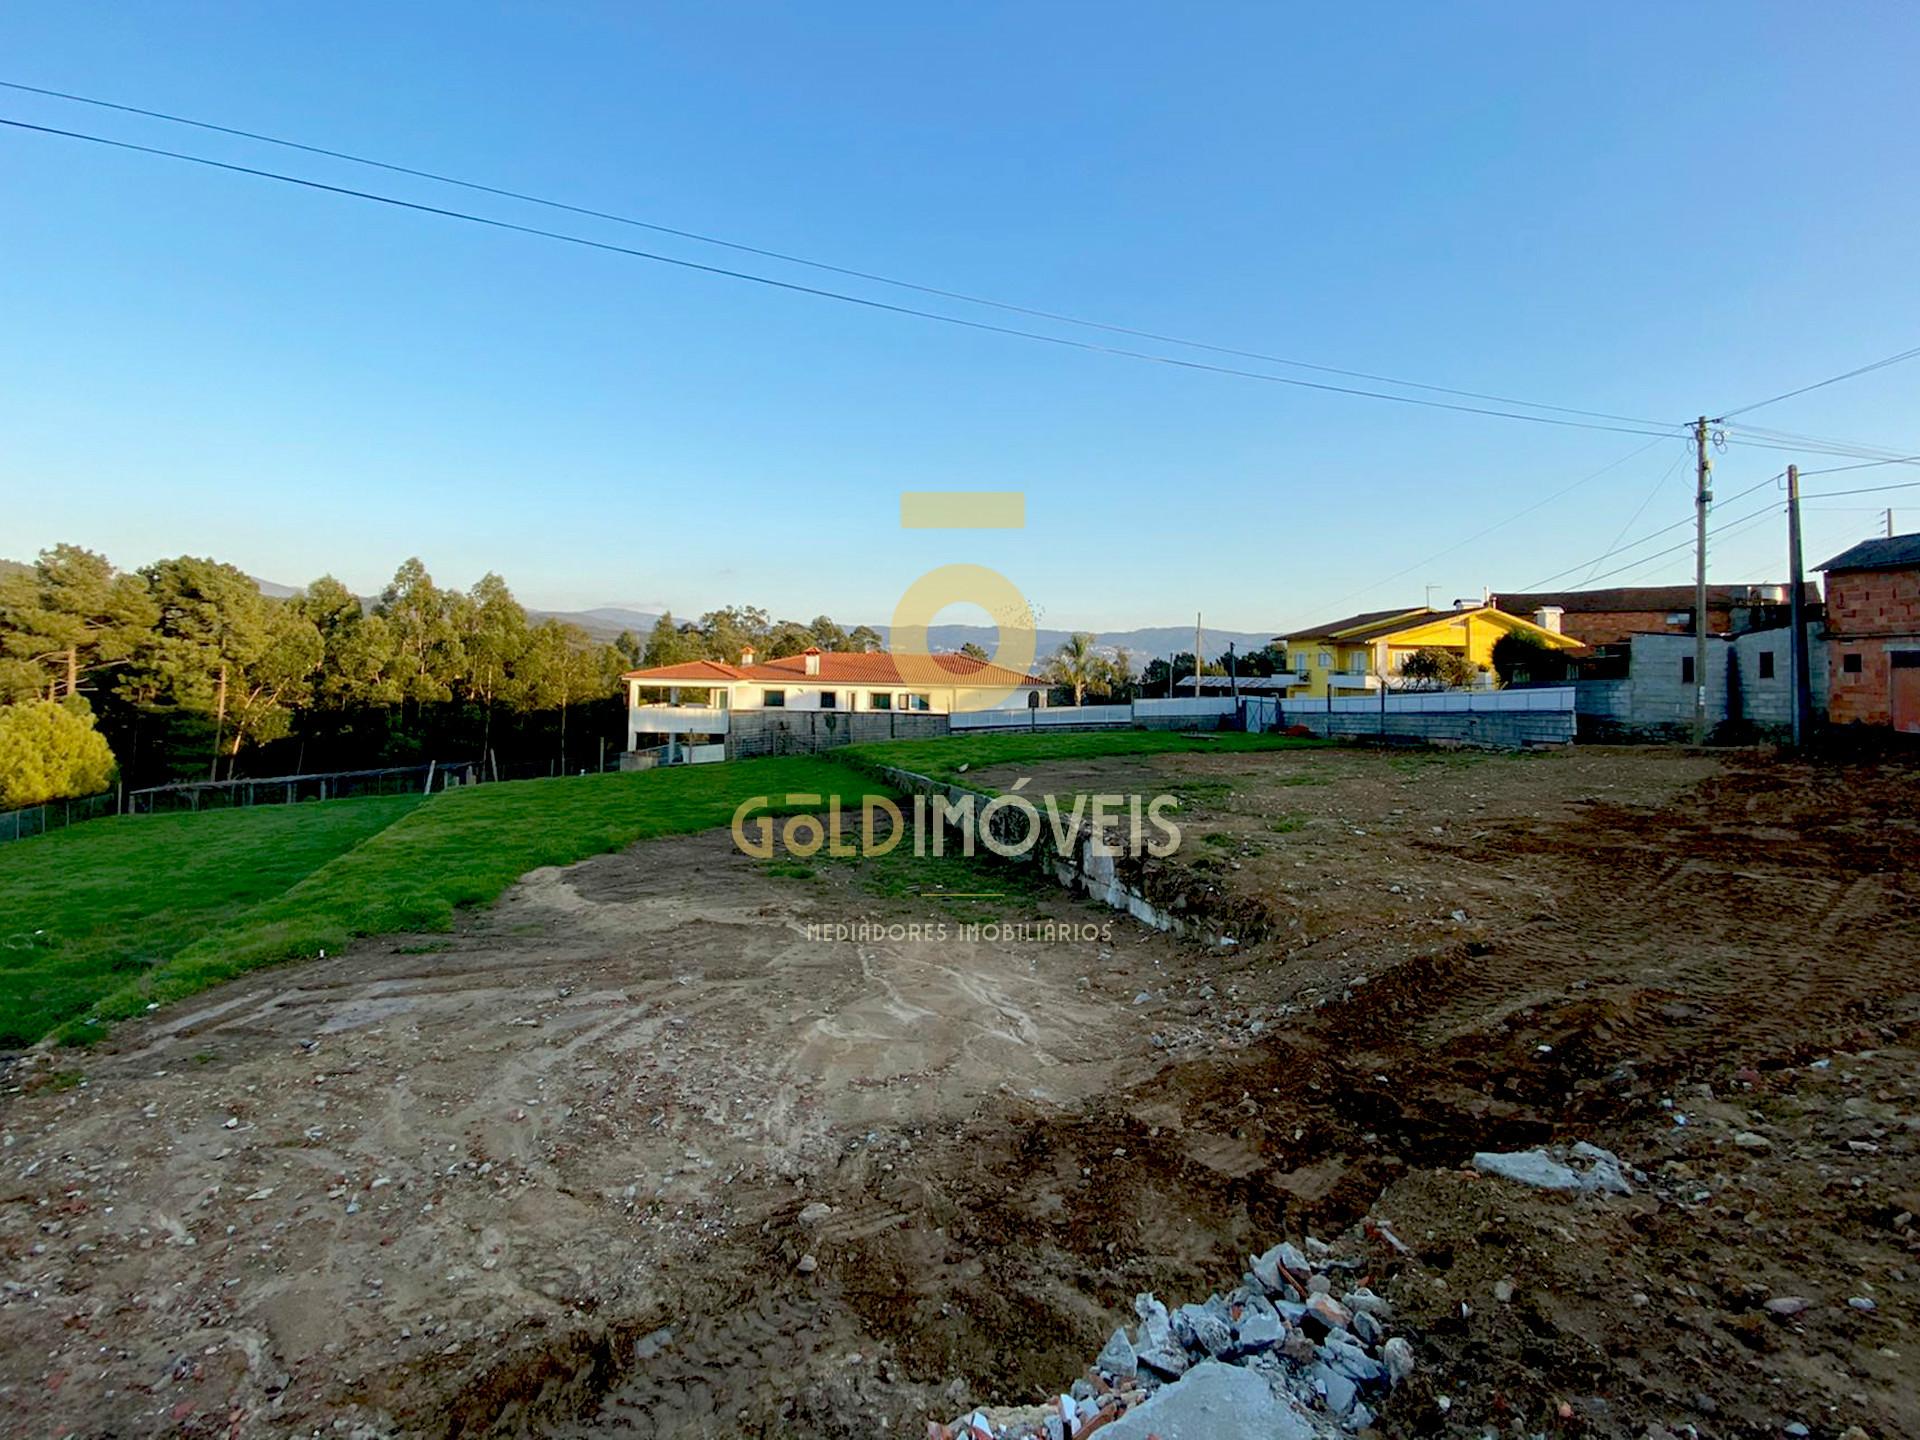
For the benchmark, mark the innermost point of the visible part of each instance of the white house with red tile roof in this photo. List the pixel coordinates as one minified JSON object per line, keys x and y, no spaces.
{"x":837,"y":681}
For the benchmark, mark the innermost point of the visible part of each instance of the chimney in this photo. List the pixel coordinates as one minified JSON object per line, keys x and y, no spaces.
{"x":812,"y":656}
{"x":746,"y":656}
{"x":1547,"y":617}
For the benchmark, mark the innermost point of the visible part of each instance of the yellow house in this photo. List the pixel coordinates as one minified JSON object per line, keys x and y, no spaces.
{"x":1350,"y":656}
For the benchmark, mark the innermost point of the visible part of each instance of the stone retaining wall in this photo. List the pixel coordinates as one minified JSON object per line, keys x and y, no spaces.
{"x":1168,"y":898}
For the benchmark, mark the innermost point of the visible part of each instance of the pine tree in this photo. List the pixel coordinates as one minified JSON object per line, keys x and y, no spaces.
{"x":67,"y":618}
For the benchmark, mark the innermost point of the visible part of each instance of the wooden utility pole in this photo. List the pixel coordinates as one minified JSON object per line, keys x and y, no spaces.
{"x":1196,"y":654}
{"x":1702,"y":497}
{"x":1797,"y":653}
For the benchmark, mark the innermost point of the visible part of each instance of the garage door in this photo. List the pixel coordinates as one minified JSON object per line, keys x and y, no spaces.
{"x":1905,"y":675}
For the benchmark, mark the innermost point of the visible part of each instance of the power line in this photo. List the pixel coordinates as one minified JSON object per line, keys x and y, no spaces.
{"x":1633,"y":519}
{"x":1792,"y":437}
{"x":1724,"y":532}
{"x":1736,"y":435}
{"x":1755,"y":436}
{"x":813,"y":290}
{"x":1865,"y":465}
{"x":1650,"y":535}
{"x":789,"y":258}
{"x":1863,"y":490}
{"x":1372,"y":585}
{"x":1880,"y":364}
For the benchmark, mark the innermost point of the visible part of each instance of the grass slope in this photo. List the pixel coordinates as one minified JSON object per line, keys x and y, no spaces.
{"x":102,"y":920}
{"x":942,"y":759}
{"x":464,"y":847}
{"x":91,"y":909}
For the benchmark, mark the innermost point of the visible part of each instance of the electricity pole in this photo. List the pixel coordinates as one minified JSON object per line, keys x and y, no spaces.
{"x":1797,"y":655}
{"x":1196,"y":654}
{"x":1701,"y":499}
{"x":1889,"y":523}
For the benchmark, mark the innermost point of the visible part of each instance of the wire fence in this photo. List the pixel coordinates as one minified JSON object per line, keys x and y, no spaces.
{"x":291,"y":789}
{"x":194,"y":795}
{"x":56,"y":815}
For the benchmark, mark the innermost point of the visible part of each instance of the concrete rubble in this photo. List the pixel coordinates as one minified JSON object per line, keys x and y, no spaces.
{"x":1596,"y":1171}
{"x":1297,"y":1351}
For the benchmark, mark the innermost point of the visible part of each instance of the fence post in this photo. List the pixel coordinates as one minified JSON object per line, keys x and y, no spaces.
{"x":429,"y":789}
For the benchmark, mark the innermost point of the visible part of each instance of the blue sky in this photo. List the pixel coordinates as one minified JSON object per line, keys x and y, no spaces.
{"x":1655,"y":210}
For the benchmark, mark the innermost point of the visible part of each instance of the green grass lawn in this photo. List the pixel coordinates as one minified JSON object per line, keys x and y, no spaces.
{"x":92,"y":909}
{"x":100,"y":921}
{"x":941,"y":759}
{"x":149,"y":909}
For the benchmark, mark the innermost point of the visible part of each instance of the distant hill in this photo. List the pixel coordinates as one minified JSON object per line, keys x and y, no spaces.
{"x":1152,"y":642}
{"x":1141,"y":645}
{"x":605,"y":622}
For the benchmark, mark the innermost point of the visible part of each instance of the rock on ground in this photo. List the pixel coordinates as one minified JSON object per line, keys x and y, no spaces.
{"x":1214,"y":1402}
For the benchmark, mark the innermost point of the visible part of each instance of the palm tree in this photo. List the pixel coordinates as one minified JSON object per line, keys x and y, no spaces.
{"x":1075,"y":664}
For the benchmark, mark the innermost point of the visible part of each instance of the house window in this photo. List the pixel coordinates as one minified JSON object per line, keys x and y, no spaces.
{"x":829,"y":699}
{"x":1686,"y":669}
{"x":1766,"y":664}
{"x":1300,"y":663}
{"x":879,"y":700}
{"x":773,"y":699}
{"x":1326,"y":660}
{"x":1850,"y":663}
{"x":1357,"y":663}
{"x":910,"y":701}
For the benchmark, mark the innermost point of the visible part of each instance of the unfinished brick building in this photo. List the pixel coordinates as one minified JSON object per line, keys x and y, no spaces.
{"x":1613,"y":616}
{"x":1873,"y":634}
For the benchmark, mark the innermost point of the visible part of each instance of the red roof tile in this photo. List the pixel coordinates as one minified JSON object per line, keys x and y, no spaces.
{"x":692,"y":672}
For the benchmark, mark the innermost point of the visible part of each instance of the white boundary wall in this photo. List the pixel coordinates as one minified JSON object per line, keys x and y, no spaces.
{"x":1504,"y":718}
{"x":1140,"y":712}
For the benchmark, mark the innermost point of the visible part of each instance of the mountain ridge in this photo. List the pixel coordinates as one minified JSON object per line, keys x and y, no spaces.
{"x":1143,"y":643}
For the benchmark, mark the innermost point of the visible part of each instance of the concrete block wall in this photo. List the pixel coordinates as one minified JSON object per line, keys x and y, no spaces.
{"x":1661,"y":694}
{"x":1655,"y":702}
{"x":1606,"y":700}
{"x":807,"y":732}
{"x":1768,"y":703}
{"x":1499,"y":729}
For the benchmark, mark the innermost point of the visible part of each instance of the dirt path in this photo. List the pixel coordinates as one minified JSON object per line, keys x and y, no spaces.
{"x":559,"y":1171}
{"x":358,"y":1180}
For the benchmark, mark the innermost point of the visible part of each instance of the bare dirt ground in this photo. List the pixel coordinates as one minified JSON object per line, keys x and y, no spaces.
{"x":631,"y":1154}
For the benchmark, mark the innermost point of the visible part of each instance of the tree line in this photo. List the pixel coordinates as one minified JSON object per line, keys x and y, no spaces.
{"x":184,"y":669}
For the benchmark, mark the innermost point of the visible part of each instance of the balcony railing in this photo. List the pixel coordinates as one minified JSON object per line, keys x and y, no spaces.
{"x":677,"y":719}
